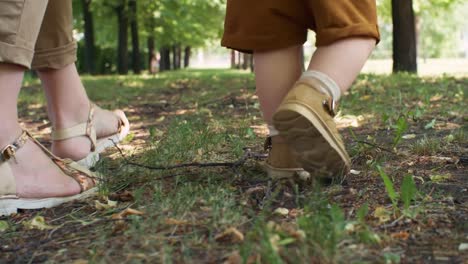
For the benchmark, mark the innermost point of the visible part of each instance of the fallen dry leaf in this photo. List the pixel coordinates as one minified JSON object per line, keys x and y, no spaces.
{"x":125,"y":196}
{"x":255,"y":189}
{"x":281,"y":211}
{"x":382,"y":214}
{"x":463,"y":247}
{"x":403,"y":235}
{"x":234,"y":258}
{"x":105,"y":206}
{"x":231,"y":235}
{"x":80,"y":261}
{"x":408,"y":136}
{"x":38,"y":222}
{"x":293,"y":213}
{"x":172,"y":221}
{"x":123,"y":214}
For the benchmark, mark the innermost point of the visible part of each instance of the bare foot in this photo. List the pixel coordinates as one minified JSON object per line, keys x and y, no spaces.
{"x":38,"y":177}
{"x":106,"y":123}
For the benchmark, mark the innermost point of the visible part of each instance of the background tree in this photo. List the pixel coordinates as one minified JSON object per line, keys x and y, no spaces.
{"x":404,"y":36}
{"x":89,"y":49}
{"x":136,"y":63}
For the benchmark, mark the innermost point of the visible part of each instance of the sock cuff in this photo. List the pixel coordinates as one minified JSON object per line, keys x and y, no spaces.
{"x":272,"y":131}
{"x":327,"y":84}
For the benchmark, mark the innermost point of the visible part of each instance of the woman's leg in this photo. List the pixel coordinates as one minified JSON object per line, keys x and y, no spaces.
{"x":35,"y":174}
{"x":68,"y":105}
{"x":67,"y":101}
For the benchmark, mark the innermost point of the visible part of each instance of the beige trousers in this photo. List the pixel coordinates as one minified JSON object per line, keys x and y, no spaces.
{"x":37,"y":34}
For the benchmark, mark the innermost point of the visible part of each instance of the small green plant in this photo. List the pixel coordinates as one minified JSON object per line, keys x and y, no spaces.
{"x":427,"y":146}
{"x":407,"y":194}
{"x":400,"y":128}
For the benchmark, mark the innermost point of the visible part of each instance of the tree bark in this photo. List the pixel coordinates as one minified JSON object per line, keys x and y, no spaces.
{"x":165,"y":62}
{"x":89,"y":50}
{"x":239,"y":60}
{"x":404,"y":37}
{"x":233,"y":59}
{"x":174,"y":57}
{"x":179,"y":56}
{"x":187,"y":54}
{"x":122,"y":50}
{"x":245,"y":62}
{"x":136,"y":62}
{"x":152,"y":56}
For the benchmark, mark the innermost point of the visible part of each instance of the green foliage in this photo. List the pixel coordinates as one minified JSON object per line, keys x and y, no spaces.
{"x":427,"y":146}
{"x":392,"y":194}
{"x":408,"y":191}
{"x":400,"y":128}
{"x":438,"y":24}
{"x":407,"y":194}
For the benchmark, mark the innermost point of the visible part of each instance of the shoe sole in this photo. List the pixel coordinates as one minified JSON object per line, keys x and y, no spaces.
{"x":310,"y":137}
{"x":102,"y":144}
{"x":283,"y":173}
{"x":11,"y":206}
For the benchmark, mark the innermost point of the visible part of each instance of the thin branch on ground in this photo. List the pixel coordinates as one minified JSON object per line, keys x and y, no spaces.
{"x":248,"y":155}
{"x":376,"y":146}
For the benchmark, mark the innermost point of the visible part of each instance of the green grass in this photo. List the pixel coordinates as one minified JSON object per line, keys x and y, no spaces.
{"x":207,"y":116}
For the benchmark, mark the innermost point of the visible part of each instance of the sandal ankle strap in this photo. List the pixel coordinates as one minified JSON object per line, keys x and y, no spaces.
{"x":9,"y":151}
{"x":83,"y":129}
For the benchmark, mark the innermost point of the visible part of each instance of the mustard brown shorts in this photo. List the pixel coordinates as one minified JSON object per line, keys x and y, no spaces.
{"x":263,"y":25}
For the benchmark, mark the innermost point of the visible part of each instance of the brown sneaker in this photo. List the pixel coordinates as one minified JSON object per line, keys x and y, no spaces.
{"x":281,"y":163}
{"x":305,"y":119}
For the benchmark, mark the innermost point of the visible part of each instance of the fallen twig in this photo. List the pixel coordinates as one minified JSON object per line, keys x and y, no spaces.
{"x":376,"y":146}
{"x":248,"y":154}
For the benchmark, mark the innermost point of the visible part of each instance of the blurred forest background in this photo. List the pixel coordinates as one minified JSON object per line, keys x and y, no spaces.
{"x":135,"y":36}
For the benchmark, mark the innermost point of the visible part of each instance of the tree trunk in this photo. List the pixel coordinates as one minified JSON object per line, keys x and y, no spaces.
{"x":165,"y":62}
{"x":239,"y":60}
{"x":179,"y":56}
{"x":89,"y":49}
{"x":233,"y":59}
{"x":136,"y":62}
{"x":245,"y":62}
{"x":176,"y":56}
{"x":187,"y":53}
{"x":152,"y":56}
{"x":404,"y":36}
{"x":122,"y":50}
{"x":252,"y":67}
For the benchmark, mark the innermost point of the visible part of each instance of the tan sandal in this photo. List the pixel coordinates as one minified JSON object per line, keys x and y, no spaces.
{"x":10,"y":202}
{"x":98,"y":145}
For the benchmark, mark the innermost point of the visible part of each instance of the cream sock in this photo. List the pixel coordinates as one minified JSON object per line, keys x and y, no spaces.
{"x":326,"y":84}
{"x":272,"y":131}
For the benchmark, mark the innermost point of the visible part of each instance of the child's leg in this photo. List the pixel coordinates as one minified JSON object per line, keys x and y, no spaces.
{"x":343,"y":60}
{"x":275,"y":74}
{"x":305,"y":117}
{"x":277,"y":71}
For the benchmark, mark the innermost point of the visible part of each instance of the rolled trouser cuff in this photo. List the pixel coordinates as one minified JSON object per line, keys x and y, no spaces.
{"x":55,"y":58}
{"x":15,"y":54}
